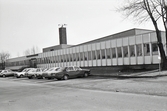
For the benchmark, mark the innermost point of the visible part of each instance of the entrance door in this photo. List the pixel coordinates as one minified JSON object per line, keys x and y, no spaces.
{"x":33,"y":63}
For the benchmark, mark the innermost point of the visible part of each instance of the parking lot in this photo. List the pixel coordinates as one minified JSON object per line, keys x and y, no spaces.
{"x":149,"y":86}
{"x":93,"y":93}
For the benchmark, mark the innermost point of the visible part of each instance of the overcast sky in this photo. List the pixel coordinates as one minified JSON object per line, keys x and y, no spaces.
{"x":28,"y":23}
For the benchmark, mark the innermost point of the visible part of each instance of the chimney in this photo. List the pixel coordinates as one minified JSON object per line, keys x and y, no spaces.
{"x":62,"y":35}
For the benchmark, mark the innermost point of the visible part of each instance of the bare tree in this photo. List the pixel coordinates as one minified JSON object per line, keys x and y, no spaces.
{"x":33,"y":50}
{"x":3,"y":57}
{"x":27,"y":52}
{"x":154,"y":10}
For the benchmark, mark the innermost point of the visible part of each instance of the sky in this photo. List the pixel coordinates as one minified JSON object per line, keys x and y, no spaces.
{"x":34,"y":23}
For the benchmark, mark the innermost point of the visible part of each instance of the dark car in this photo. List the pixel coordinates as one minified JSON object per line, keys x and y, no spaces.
{"x":71,"y":72}
{"x":7,"y":73}
{"x":49,"y":73}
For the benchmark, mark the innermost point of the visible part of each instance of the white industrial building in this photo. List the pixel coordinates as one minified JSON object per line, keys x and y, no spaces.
{"x":131,"y":49}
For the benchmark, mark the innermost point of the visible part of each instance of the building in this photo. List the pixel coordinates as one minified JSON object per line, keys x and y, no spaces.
{"x":131,"y":49}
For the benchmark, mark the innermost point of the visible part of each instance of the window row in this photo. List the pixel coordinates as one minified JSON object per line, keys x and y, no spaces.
{"x":119,"y":52}
{"x":109,"y":53}
{"x":18,"y":63}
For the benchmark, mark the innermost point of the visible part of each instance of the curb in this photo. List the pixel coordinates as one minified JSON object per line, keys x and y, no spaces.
{"x":148,"y":74}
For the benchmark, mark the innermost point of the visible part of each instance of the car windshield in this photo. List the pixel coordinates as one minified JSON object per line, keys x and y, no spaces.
{"x":61,"y":69}
{"x":9,"y":70}
{"x":53,"y":69}
{"x":44,"y":70}
{"x":30,"y":70}
{"x":24,"y":70}
{"x":50,"y":69}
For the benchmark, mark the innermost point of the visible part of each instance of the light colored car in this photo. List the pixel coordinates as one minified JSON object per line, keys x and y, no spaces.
{"x":22,"y":73}
{"x":7,"y":73}
{"x":48,"y":73}
{"x":35,"y":73}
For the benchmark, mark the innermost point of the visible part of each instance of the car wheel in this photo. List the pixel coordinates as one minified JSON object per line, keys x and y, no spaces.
{"x":43,"y":78}
{"x":85,"y":74}
{"x":65,"y":77}
{"x":39,"y":77}
{"x":4,"y":75}
{"x":34,"y":76}
{"x":58,"y":78}
{"x":29,"y":77}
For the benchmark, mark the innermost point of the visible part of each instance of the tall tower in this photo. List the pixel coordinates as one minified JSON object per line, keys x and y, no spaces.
{"x":62,"y":34}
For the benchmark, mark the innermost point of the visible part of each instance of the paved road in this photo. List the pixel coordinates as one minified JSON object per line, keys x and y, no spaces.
{"x":52,"y":95}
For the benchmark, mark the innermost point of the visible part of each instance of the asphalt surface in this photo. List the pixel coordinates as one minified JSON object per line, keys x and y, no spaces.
{"x":94,"y":93}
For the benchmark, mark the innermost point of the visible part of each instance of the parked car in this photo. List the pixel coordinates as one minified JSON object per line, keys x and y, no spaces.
{"x":22,"y":73}
{"x":7,"y":73}
{"x":48,"y":73}
{"x":35,"y":73}
{"x":69,"y":72}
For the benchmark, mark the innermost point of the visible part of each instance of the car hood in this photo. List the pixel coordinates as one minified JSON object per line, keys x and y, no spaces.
{"x":20,"y":73}
{"x":49,"y":72}
{"x":86,"y":69}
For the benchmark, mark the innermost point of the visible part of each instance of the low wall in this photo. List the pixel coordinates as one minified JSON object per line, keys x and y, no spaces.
{"x":115,"y":70}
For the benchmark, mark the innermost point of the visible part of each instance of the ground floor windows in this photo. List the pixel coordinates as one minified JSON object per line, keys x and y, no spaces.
{"x":119,"y":52}
{"x":98,"y":54}
{"x":136,"y":50}
{"x":125,"y":51}
{"x":146,"y":49}
{"x":132,"y":50}
{"x":89,"y":55}
{"x":108,"y":53}
{"x":94,"y":55}
{"x":85,"y":56}
{"x":154,"y":49}
{"x":81,"y":56}
{"x":103,"y":54}
{"x":139,"y":49}
{"x":113,"y":53}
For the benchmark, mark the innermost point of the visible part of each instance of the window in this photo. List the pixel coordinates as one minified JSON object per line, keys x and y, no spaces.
{"x":77,"y":68}
{"x":139,"y":49}
{"x":71,"y":58}
{"x":74,"y":56}
{"x":44,"y":61}
{"x":113,"y":53}
{"x":64,"y":56}
{"x":108,"y":53}
{"x":89,"y":55}
{"x":119,"y":51}
{"x":81,"y":56}
{"x":70,"y":69}
{"x":146,"y":49}
{"x":125,"y":51}
{"x":85,"y":56}
{"x":154,"y":49}
{"x":94,"y":54}
{"x":132,"y":50}
{"x":57,"y":59}
{"x":77,"y":56}
{"x":67,"y":56}
{"x":62,"y":59}
{"x":98,"y":54}
{"x":103,"y":54}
